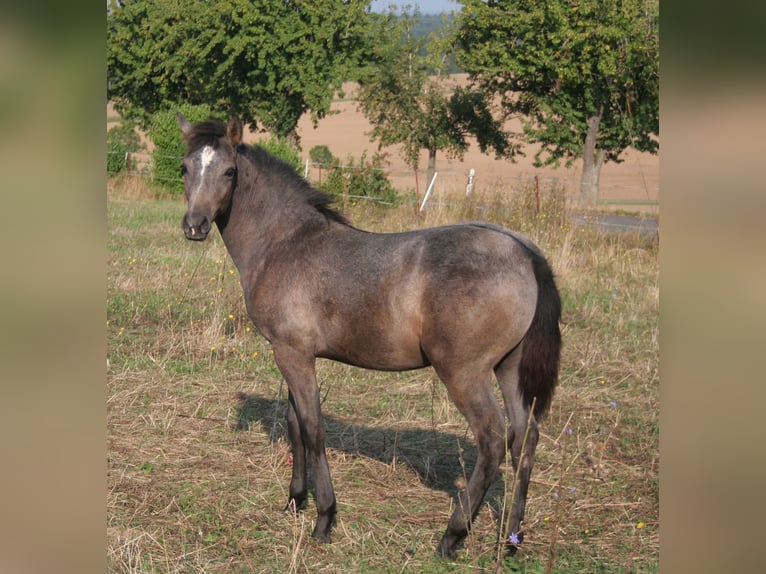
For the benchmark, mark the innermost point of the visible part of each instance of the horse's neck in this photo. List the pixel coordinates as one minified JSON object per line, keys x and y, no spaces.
{"x":255,"y":226}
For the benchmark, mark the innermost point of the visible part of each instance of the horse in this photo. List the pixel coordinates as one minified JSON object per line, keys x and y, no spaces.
{"x":468,"y":299}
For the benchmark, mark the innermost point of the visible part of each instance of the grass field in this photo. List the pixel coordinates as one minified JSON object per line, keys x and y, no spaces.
{"x":198,"y":460}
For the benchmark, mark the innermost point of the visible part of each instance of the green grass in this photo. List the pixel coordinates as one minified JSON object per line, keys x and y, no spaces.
{"x":198,"y":460}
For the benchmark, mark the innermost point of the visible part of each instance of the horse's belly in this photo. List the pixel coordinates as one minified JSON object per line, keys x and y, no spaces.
{"x":373,"y":346}
{"x":379,"y":362}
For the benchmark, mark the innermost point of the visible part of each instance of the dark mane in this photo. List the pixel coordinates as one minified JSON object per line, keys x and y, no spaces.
{"x":323,"y":204}
{"x":286,"y":176}
{"x":205,"y":133}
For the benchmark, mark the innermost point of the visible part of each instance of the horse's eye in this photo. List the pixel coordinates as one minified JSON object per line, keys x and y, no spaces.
{"x":230,"y":172}
{"x":183,"y":169}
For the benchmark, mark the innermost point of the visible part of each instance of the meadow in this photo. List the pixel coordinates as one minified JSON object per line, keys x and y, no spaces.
{"x":198,"y":461}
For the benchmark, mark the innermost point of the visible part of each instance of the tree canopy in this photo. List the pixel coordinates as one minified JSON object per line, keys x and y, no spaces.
{"x":407,"y":96}
{"x":267,"y":61}
{"x":582,"y":75}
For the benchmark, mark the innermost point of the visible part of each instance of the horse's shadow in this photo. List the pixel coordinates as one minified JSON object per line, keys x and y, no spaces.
{"x":439,"y":459}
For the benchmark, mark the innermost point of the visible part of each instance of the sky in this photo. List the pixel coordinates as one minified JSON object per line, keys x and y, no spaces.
{"x":426,"y":6}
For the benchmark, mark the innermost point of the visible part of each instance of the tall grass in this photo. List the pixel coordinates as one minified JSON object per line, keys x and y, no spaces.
{"x":199,"y":463}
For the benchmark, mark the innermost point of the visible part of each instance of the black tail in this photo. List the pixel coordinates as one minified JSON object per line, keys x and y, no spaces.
{"x":539,"y":367}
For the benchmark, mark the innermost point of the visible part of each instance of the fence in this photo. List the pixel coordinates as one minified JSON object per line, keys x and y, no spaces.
{"x":139,"y":164}
{"x":415,"y":181}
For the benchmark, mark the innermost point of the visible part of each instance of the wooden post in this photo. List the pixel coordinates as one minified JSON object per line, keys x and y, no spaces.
{"x":537,"y":195}
{"x":417,"y":193}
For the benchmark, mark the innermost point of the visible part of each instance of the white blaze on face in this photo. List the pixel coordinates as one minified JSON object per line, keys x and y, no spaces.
{"x":205,"y":158}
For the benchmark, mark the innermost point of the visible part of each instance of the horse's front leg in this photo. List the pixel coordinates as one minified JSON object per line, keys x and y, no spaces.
{"x":307,"y":434}
{"x":298,"y":484}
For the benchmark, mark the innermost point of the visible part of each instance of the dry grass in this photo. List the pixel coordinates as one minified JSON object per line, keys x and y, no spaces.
{"x":198,"y":461}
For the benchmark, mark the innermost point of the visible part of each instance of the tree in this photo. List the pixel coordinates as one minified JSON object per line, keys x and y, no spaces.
{"x":582,"y":74}
{"x":405,"y":94}
{"x":267,"y":61}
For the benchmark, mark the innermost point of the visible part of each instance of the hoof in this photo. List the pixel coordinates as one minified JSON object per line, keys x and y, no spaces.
{"x":445,"y":552}
{"x":324,"y":525}
{"x":513,"y":543}
{"x":323,"y":537}
{"x":449,"y":546}
{"x":296,"y":505}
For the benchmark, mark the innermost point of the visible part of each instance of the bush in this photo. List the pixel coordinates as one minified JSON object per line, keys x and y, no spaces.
{"x":335,"y":182}
{"x":120,"y":140}
{"x":282,"y":149}
{"x":169,"y":146}
{"x":365,"y":180}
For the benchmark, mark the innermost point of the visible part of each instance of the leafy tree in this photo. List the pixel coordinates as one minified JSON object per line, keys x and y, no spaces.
{"x":322,"y":155}
{"x":169,"y":146}
{"x":267,"y":61}
{"x":405,"y":94}
{"x":583,"y":75}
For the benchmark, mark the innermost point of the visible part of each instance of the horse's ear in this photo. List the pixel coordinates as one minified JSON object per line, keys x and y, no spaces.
{"x":183,"y":123}
{"x":234,"y":132}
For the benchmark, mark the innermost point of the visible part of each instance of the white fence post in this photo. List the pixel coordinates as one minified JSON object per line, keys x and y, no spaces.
{"x":469,"y":185}
{"x":428,"y":191}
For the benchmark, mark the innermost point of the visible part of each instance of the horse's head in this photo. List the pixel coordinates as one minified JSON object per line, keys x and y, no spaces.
{"x":209,"y":171}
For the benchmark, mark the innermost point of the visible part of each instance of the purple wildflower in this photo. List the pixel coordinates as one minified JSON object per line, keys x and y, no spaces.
{"x":514,"y":539}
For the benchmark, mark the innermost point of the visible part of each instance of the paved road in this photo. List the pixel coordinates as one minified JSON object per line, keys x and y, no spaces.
{"x":646,"y":226}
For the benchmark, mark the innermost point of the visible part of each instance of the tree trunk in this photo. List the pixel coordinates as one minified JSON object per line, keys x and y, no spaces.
{"x":293,"y":138}
{"x":592,"y":160}
{"x":431,"y":165}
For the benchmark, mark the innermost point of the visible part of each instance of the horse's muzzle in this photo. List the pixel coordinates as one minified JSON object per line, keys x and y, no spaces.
{"x":196,"y":227}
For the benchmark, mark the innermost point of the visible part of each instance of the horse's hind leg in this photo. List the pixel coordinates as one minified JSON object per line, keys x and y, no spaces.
{"x":306,"y":431}
{"x":476,"y":401}
{"x":518,"y":412}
